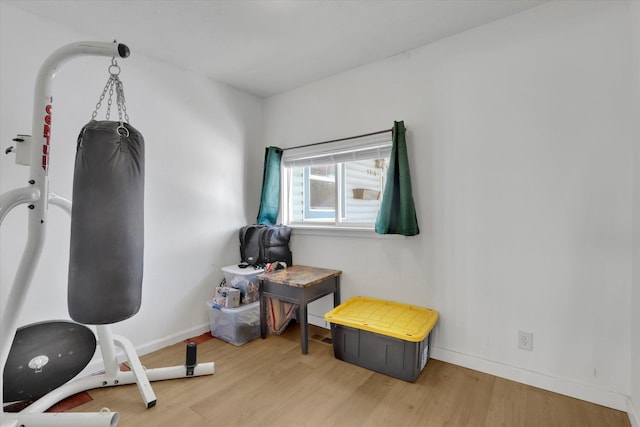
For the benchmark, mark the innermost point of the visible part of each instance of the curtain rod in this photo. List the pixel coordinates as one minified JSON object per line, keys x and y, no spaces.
{"x":339,"y":139}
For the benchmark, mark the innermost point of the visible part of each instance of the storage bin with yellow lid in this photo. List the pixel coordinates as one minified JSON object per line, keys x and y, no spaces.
{"x":387,"y":337}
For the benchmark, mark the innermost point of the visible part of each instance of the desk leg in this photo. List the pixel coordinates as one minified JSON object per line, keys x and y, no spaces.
{"x":263,"y":314}
{"x":336,"y":294}
{"x":304,"y":328}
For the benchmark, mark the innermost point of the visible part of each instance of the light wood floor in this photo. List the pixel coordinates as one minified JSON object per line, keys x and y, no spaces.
{"x":269,"y":383}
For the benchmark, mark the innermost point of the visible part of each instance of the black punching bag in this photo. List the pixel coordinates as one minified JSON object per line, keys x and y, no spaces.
{"x":107,"y":224}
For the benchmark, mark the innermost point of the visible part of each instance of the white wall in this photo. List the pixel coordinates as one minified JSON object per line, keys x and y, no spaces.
{"x":520,"y":139}
{"x":635,"y":320}
{"x":196,"y":133}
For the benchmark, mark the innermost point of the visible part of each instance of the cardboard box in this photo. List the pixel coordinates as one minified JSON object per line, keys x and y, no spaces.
{"x":225,"y":296}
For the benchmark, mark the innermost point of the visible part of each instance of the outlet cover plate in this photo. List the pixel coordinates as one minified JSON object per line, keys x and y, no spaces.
{"x":525,"y":340}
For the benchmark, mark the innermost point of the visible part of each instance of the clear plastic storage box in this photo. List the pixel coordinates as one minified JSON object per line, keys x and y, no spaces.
{"x":245,"y":279}
{"x":235,"y":325}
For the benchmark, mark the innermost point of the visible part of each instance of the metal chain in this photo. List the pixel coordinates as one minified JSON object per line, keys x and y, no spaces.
{"x":108,"y":115}
{"x":122,"y":108}
{"x":114,"y":82}
{"x":99,"y":104}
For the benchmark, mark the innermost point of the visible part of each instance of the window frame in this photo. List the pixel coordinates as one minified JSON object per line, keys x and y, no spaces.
{"x":368,"y":147}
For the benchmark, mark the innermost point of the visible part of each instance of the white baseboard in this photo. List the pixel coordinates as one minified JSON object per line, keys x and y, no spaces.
{"x":566,"y":387}
{"x":634,"y":415}
{"x":317,"y":321}
{"x":172,"y":339}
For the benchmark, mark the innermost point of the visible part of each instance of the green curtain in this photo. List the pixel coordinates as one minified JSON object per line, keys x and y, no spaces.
{"x":270,"y":198}
{"x":397,"y":214}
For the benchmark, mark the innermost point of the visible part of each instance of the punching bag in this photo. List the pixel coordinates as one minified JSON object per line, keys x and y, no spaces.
{"x":107,"y":224}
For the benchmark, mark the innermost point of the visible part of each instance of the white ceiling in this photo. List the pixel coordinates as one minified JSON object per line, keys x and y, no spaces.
{"x":265,"y":47}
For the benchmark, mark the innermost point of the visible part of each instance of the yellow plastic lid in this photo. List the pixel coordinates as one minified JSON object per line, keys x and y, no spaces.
{"x":394,"y":319}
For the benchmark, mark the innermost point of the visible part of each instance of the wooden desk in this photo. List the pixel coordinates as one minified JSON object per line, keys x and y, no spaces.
{"x":300,"y":285}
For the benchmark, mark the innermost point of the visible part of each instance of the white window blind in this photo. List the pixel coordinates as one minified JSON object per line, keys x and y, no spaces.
{"x":361,"y":148}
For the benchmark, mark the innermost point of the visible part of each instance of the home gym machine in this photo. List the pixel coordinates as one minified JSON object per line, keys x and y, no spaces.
{"x":38,"y":369}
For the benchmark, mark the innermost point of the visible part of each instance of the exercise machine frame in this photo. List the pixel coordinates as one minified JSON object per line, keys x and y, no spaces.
{"x":33,"y":151}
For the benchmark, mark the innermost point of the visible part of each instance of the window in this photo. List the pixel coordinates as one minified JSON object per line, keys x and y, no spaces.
{"x":337,"y":184}
{"x":319,"y":191}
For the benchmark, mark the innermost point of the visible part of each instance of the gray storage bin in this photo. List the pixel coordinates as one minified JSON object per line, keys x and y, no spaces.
{"x":387,"y":337}
{"x":387,"y":355}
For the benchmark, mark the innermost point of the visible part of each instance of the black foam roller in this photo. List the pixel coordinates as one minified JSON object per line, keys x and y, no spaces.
{"x":107,"y":224}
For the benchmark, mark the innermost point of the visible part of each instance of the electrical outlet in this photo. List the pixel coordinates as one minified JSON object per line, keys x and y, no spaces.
{"x":525,"y":341}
